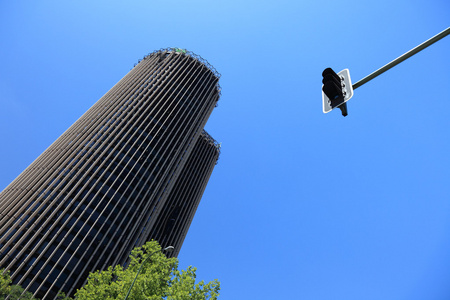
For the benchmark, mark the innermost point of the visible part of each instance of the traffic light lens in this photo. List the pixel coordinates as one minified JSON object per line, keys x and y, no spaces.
{"x":332,"y":90}
{"x":330,"y":77}
{"x":329,"y":71}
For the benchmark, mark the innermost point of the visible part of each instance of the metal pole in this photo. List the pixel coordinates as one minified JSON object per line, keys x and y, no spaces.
{"x":405,"y":56}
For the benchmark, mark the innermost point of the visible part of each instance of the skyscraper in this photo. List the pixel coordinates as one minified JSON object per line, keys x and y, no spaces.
{"x":131,"y":169}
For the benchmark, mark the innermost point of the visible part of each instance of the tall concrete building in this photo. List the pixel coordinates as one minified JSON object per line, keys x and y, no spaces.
{"x":131,"y":169}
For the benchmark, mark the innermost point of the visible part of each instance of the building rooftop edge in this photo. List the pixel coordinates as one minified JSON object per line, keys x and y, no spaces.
{"x":210,"y":139}
{"x":194,"y":56}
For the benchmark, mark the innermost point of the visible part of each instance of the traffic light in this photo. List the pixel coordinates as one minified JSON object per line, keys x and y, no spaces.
{"x":336,"y":90}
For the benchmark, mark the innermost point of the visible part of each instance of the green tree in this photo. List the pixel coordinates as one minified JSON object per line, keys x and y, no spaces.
{"x":5,"y":283}
{"x":13,"y":291}
{"x":159,"y":278}
{"x":17,"y":293}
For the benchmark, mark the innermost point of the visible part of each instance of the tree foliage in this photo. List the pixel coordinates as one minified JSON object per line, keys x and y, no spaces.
{"x":159,"y":278}
{"x":13,"y":291}
{"x":5,"y":283}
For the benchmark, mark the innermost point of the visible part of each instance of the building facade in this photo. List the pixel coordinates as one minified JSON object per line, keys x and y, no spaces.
{"x":131,"y":169}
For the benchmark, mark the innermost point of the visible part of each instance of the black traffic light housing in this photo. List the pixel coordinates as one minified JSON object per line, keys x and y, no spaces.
{"x":333,"y":86}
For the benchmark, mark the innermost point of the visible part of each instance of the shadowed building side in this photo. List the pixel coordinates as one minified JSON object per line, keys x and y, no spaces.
{"x":176,"y":216}
{"x":94,"y":194}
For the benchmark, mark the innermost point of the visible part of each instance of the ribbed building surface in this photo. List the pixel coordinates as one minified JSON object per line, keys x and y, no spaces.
{"x":171,"y":226}
{"x":131,"y":169}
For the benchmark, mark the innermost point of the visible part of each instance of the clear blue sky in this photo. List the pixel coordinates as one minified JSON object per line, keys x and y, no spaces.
{"x":302,"y":205}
